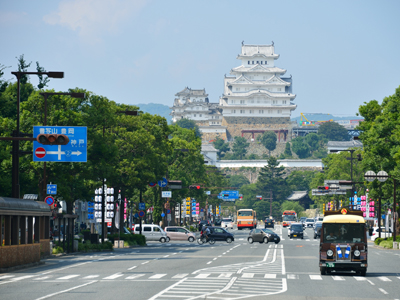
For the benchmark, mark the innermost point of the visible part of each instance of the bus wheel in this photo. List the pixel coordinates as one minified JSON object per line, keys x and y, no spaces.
{"x":322,"y":270}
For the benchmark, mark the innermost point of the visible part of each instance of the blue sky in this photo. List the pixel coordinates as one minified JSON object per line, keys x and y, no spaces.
{"x":340,"y":53}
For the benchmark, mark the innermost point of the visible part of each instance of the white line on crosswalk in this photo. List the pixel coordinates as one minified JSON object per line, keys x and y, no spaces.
{"x":338,"y":278}
{"x":248,"y":275}
{"x":203,"y":275}
{"x":114,"y":276}
{"x":292,"y":276}
{"x":383,"y":278}
{"x":315,"y":277}
{"x":225,"y":275}
{"x":67,"y":277}
{"x":157,"y":276}
{"x":270,"y":276}
{"x":135,"y":276}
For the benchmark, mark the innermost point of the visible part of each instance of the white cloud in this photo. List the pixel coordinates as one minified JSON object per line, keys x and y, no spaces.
{"x":91,"y":18}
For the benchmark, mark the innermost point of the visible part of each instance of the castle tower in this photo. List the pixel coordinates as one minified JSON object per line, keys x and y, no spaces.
{"x":256,"y":97}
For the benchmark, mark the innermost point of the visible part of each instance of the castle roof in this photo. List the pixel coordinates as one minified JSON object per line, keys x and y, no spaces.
{"x":189,"y":92}
{"x":257,"y":68}
{"x":258,"y":50}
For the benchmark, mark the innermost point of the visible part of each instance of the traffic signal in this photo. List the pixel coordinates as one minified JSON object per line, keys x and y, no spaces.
{"x":323,"y":188}
{"x":194,"y":187}
{"x":52,"y":139}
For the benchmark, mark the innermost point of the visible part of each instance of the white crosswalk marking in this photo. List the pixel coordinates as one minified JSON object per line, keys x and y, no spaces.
{"x":180,"y":275}
{"x":270,"y":276}
{"x":338,"y":278}
{"x":315,"y":277}
{"x":6,"y":276}
{"x":135,"y":276}
{"x":114,"y":276}
{"x":67,"y":277}
{"x":91,"y":276}
{"x":383,"y":278}
{"x":157,"y":276}
{"x":359,"y":278}
{"x":203,"y":275}
{"x":225,"y":275}
{"x":248,"y":275}
{"x":292,"y":276}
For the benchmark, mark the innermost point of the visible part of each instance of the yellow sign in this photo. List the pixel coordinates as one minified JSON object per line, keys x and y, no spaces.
{"x":344,"y":211}
{"x":188,"y":199}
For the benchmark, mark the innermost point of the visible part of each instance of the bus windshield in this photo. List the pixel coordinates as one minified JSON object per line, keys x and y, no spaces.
{"x":344,"y":233}
{"x":289,"y":218}
{"x":245,"y":213}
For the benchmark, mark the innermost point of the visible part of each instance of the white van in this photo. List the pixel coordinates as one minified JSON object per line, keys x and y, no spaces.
{"x":152,"y":232}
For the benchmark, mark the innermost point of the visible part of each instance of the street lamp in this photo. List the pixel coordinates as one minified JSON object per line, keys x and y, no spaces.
{"x":16,"y":133}
{"x":382,"y":176}
{"x":45,"y":96}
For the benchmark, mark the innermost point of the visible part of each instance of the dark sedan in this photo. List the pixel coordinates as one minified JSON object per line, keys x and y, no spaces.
{"x":317,"y":230}
{"x":269,"y":222}
{"x":272,"y":236}
{"x":220,"y":234}
{"x":258,"y":235}
{"x":295,"y":230}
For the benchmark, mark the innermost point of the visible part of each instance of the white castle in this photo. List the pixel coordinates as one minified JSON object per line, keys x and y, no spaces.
{"x":256,"y":98}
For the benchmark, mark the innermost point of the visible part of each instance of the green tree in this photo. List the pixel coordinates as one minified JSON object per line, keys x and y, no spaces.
{"x":240,"y":146}
{"x":300,"y":147}
{"x":300,"y":180}
{"x":189,"y":124}
{"x":220,"y":145}
{"x":288,"y":151}
{"x":334,"y":131}
{"x":43,"y":81}
{"x":238,"y":181}
{"x":268,"y":139}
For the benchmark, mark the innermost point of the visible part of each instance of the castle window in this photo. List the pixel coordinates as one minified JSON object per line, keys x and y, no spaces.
{"x":232,"y":101}
{"x":200,"y":115}
{"x":265,"y":62}
{"x":274,"y":102}
{"x":242,"y":101}
{"x":260,"y":111}
{"x":279,"y":89}
{"x":237,"y":89}
{"x":251,"y":111}
{"x":248,"y":62}
{"x":252,"y":62}
{"x":284,"y":102}
{"x":261,"y":62}
{"x":279,"y":111}
{"x":257,"y":62}
{"x":242,"y":111}
{"x":194,"y":115}
{"x":269,"y":111}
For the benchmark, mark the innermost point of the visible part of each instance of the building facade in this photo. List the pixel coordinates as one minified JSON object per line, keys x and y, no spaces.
{"x":256,"y":98}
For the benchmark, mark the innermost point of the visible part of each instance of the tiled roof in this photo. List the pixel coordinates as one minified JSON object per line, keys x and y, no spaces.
{"x":346,"y":144}
{"x":297,"y":195}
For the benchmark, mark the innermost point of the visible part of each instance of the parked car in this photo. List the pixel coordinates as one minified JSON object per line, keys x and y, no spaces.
{"x":217,"y":222}
{"x":317,"y":229}
{"x":269,"y":222}
{"x":203,"y":223}
{"x":152,"y":232}
{"x":220,"y":234}
{"x":272,"y":236}
{"x":227,"y":223}
{"x":176,"y":233}
{"x":384,"y":233}
{"x":296,"y":230}
{"x":309,"y":222}
{"x":258,"y":235}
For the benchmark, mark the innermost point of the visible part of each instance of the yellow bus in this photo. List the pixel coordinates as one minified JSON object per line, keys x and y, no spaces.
{"x":246,"y":218}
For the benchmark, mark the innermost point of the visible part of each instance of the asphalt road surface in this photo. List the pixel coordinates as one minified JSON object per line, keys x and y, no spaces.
{"x":183,"y":270}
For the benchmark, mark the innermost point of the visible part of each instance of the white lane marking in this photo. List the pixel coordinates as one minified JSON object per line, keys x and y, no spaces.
{"x":248,"y":275}
{"x":214,"y":258}
{"x":67,"y":277}
{"x":292,"y":276}
{"x":205,"y":275}
{"x":143,"y":263}
{"x":135,"y":276}
{"x":383,"y":291}
{"x":114,"y":276}
{"x":283,"y":263}
{"x":209,"y":262}
{"x":338,"y":278}
{"x":6,"y":276}
{"x":132,"y":268}
{"x":180,"y":275}
{"x":383,"y":278}
{"x":270,"y":276}
{"x":167,"y":289}
{"x":157,"y":276}
{"x":91,"y":276}
{"x":65,"y":291}
{"x":165,"y":255}
{"x":315,"y":277}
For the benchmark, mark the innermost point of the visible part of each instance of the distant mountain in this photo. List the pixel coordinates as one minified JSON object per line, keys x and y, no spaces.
{"x":324,"y":117}
{"x":157,"y":109}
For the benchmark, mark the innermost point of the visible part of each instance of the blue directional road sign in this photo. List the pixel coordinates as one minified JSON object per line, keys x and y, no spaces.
{"x":52,"y":189}
{"x":229,"y":195}
{"x":163,"y":182}
{"x":74,"y":151}
{"x":142,"y":206}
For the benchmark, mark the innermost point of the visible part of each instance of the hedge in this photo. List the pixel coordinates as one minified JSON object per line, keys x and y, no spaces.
{"x":131,"y":239}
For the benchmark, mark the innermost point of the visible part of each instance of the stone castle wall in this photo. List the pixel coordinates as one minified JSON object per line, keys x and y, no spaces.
{"x":210,"y":136}
{"x":235,"y":125}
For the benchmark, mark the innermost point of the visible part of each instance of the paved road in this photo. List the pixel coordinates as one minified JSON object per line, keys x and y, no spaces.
{"x":183,"y":270}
